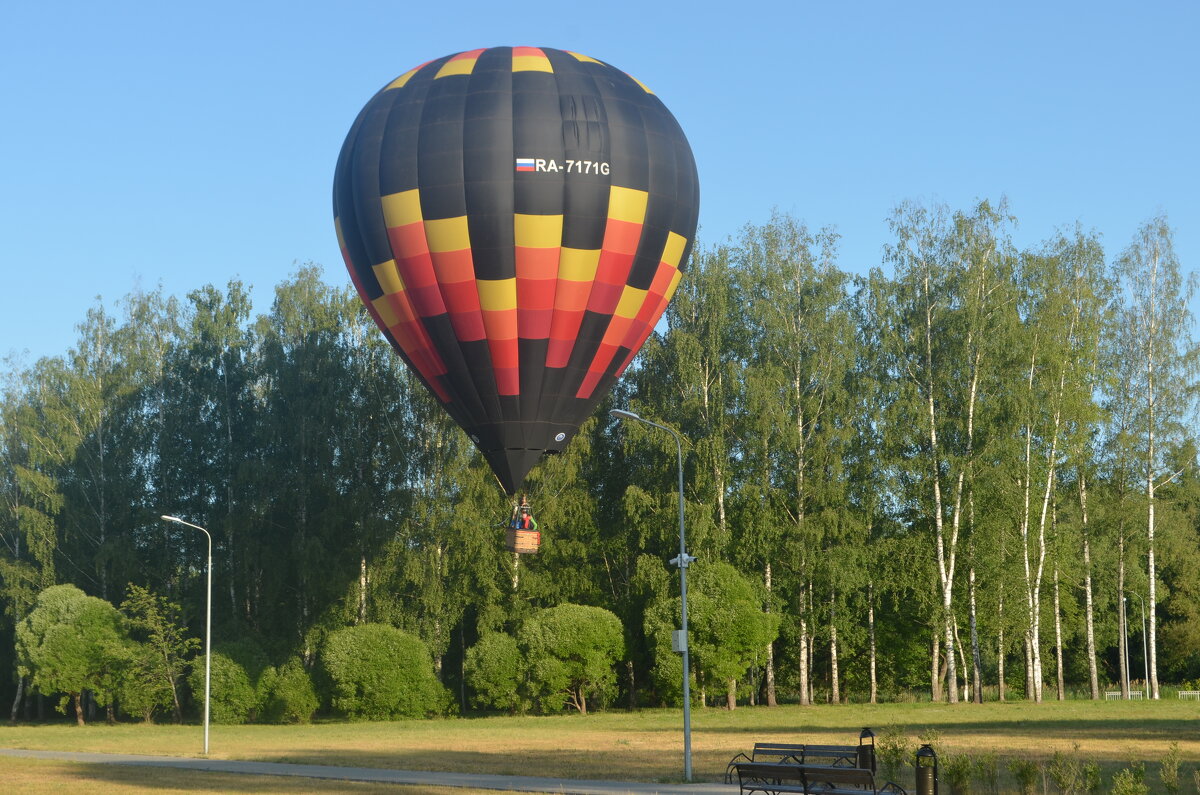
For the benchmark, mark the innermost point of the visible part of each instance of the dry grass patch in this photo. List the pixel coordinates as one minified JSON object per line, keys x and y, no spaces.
{"x":647,"y":745}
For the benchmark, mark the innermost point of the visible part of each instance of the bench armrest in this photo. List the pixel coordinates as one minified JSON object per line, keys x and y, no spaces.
{"x":733,"y":764}
{"x":894,"y":788}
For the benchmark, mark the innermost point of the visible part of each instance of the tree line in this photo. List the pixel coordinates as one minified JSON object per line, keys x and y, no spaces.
{"x":956,"y":474}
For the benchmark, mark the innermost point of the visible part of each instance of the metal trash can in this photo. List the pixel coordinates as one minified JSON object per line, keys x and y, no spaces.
{"x":866,"y":750}
{"x":927,"y":771}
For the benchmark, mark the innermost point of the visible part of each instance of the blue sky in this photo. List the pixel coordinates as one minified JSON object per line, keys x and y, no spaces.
{"x":184,"y":144}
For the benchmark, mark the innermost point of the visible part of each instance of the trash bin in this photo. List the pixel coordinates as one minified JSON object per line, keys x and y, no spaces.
{"x":927,"y":776}
{"x":866,"y":750}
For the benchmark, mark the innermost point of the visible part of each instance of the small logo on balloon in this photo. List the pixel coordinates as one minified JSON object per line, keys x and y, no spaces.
{"x":560,"y":437}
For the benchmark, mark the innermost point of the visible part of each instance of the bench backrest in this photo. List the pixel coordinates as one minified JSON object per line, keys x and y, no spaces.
{"x":855,"y":756}
{"x":766,"y":752}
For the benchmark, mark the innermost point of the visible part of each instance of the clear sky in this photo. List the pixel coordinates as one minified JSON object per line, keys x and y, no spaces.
{"x":184,"y":144}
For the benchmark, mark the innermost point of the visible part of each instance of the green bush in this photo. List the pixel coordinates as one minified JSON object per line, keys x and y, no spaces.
{"x":1131,"y":781}
{"x":1168,"y":771}
{"x":1026,"y":772}
{"x":287,"y":694}
{"x":956,"y":770}
{"x":234,"y":698}
{"x":987,"y":770}
{"x":1066,"y":771}
{"x":248,"y":654}
{"x":377,"y":672}
{"x":494,"y":670}
{"x":894,"y":750}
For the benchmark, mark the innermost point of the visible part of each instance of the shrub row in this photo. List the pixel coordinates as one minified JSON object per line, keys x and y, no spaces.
{"x":364,"y":672}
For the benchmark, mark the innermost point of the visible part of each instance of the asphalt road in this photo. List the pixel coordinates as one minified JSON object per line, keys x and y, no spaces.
{"x":564,"y":786}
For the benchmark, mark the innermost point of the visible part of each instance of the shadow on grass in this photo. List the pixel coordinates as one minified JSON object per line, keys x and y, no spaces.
{"x":135,"y":777}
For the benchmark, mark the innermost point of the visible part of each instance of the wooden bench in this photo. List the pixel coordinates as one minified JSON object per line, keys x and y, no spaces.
{"x":861,"y":755}
{"x":767,"y":752}
{"x":780,"y":777}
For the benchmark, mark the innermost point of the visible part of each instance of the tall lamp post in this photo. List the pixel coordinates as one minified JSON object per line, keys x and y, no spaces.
{"x":207,"y":623}
{"x":1145,"y":650}
{"x":682,"y":561}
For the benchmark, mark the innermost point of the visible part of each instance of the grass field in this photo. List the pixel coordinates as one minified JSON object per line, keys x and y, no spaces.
{"x":20,"y":776}
{"x":647,"y":745}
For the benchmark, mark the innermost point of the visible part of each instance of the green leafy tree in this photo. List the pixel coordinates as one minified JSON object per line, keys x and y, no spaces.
{"x":33,"y":450}
{"x":207,"y":458}
{"x":71,"y":642}
{"x":729,"y":626}
{"x":379,"y":672}
{"x":728,"y":629}
{"x":495,"y":672}
{"x":160,"y":664}
{"x":570,"y":651}
{"x":794,"y":420}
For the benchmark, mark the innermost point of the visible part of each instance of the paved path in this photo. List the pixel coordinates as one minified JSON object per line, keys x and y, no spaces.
{"x":564,"y":786}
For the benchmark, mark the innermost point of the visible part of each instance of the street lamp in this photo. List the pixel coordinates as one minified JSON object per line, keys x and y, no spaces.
{"x":207,"y":623}
{"x":682,"y":561}
{"x":1145,"y":650}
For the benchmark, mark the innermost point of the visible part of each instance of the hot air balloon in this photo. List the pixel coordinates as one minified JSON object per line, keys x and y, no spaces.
{"x":515,"y":220}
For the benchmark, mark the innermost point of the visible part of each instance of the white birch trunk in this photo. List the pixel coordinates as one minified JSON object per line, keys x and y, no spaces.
{"x":1089,"y":607}
{"x":812,"y":644}
{"x":804,"y":685}
{"x":871,"y":642}
{"x":935,"y":691}
{"x":976,"y":655}
{"x":835,"y":694}
{"x":770,"y":667}
{"x":962,"y":660}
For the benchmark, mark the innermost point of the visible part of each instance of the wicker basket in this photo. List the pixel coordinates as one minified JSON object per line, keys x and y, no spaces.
{"x":523,"y":542}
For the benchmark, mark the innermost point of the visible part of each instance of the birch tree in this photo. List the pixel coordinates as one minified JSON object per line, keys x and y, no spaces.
{"x":1156,"y":334}
{"x":802,"y":342}
{"x":936,"y":338}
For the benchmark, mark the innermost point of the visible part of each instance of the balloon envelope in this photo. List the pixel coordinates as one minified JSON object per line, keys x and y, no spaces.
{"x":515,"y":220}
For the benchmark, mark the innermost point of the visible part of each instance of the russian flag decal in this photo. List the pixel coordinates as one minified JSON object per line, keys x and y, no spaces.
{"x":524,"y":164}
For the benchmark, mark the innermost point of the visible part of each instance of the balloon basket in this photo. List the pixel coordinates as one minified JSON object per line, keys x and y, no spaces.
{"x":523,"y":542}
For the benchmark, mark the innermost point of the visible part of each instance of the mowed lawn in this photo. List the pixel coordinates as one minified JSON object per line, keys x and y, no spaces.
{"x":647,"y":745}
